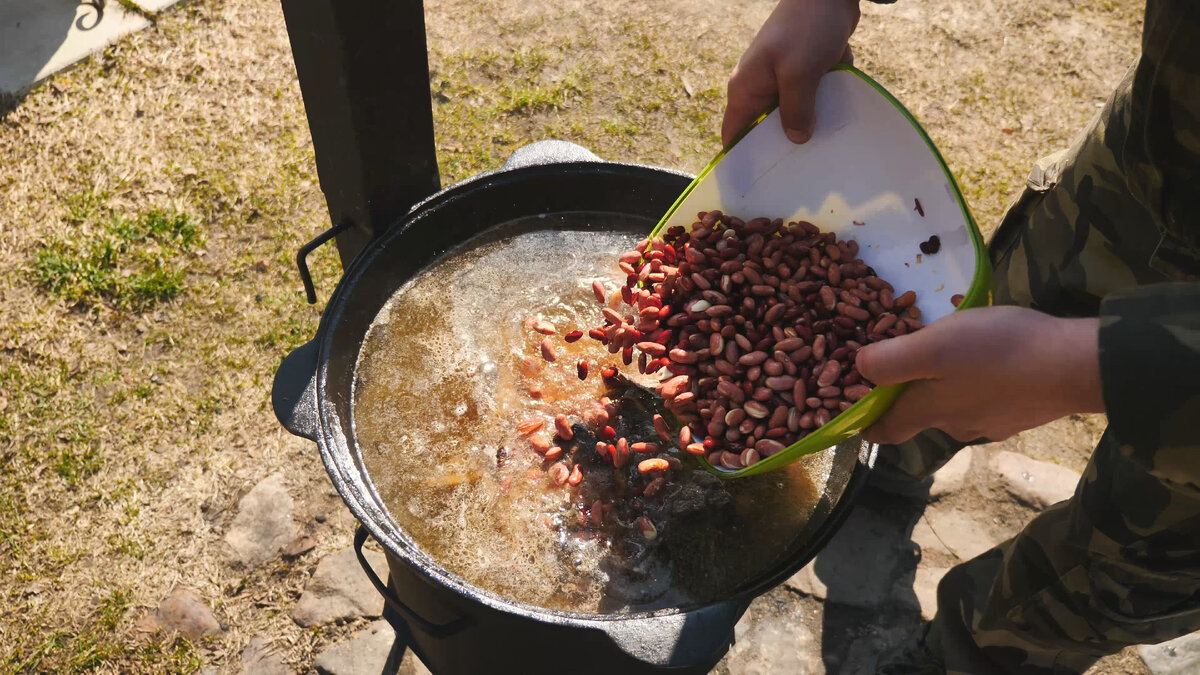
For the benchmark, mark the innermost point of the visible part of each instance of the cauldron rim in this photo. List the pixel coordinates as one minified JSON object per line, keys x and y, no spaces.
{"x":369,"y":508}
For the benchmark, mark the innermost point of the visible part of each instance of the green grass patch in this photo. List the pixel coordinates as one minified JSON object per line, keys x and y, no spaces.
{"x":130,"y":264}
{"x":75,"y":463}
{"x":101,"y":643}
{"x":287,"y":334}
{"x":12,"y":528}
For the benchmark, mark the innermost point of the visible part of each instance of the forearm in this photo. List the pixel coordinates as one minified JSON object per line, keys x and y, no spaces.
{"x":1078,"y":344}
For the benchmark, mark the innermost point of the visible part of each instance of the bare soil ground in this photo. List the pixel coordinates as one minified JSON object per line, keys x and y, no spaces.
{"x":135,"y":368}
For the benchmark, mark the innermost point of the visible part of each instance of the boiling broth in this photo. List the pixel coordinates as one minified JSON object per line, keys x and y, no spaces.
{"x":446,"y":372}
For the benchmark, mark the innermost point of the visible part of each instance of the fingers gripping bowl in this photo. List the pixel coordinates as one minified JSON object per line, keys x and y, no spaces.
{"x":871,"y":175}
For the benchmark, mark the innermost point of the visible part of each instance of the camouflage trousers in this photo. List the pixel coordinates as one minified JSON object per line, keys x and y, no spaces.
{"x":1119,"y":563}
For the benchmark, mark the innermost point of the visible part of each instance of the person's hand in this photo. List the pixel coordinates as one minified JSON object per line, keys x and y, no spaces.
{"x":800,"y":42}
{"x":986,"y":373}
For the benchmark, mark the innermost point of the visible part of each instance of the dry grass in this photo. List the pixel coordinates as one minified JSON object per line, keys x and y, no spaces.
{"x":128,"y":431}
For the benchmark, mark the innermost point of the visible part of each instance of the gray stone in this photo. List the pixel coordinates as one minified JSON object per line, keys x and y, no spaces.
{"x":182,"y":611}
{"x":363,"y":654}
{"x":259,"y":659}
{"x":1180,"y":656}
{"x":263,"y":525}
{"x":857,"y":567}
{"x":411,"y":665}
{"x":340,"y":590}
{"x":950,"y":477}
{"x":775,"y":644}
{"x":869,"y":642}
{"x":924,"y":537}
{"x":1038,"y":484}
{"x":299,"y":546}
{"x":920,"y":588}
{"x":41,"y":37}
{"x":807,"y":582}
{"x":965,"y":535}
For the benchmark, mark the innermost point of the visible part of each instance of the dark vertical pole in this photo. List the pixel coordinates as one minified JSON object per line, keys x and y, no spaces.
{"x":364,"y":75}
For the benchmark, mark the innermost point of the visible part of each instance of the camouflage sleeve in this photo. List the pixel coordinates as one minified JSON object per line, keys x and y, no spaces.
{"x":1150,"y":373}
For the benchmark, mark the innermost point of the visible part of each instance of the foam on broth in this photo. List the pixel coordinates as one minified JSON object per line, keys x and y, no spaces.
{"x":441,"y":381}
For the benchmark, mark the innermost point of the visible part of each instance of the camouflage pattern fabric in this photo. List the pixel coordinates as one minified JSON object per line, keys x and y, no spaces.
{"x":1110,"y":228}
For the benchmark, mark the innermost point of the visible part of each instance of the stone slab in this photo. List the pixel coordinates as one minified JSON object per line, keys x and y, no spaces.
{"x":858,"y":566}
{"x":925,"y":588}
{"x":1036,"y":483}
{"x":364,"y":654}
{"x":963,"y":532}
{"x":183,"y":611}
{"x":340,"y":590}
{"x":41,"y":37}
{"x":948,"y":479}
{"x":259,"y":658}
{"x":924,"y":537}
{"x":1180,"y":656}
{"x":775,"y":644}
{"x":263,"y":525}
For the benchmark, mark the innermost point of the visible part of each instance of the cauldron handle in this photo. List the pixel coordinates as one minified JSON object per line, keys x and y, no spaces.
{"x":432,"y":629}
{"x":294,"y":392}
{"x":551,"y":151}
{"x":689,"y":642}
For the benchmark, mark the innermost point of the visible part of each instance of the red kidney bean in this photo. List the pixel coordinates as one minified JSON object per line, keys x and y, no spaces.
{"x":782,"y":382}
{"x":563,"y":428}
{"x":830,"y":373}
{"x":789,"y":344}
{"x":528,"y":426}
{"x":856,"y":392}
{"x":559,"y":473}
{"x":654,"y":487}
{"x":756,"y":409}
{"x":619,"y":452}
{"x":547,"y":348}
{"x":758,"y":324}
{"x":822,"y":417}
{"x":646,"y":528}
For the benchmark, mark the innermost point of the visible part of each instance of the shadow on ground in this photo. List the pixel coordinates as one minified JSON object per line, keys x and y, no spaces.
{"x":867,"y":574}
{"x":31,"y":34}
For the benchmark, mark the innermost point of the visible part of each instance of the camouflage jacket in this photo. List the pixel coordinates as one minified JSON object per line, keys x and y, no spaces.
{"x":1150,"y":335}
{"x":1111,"y":228}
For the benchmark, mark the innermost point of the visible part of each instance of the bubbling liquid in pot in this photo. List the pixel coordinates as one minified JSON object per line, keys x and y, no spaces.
{"x":448,"y":369}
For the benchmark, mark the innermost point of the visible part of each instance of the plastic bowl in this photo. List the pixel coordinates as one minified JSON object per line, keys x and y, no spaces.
{"x":869,"y":161}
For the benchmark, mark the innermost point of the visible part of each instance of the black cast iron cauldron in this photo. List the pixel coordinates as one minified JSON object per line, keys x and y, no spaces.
{"x":457,"y":627}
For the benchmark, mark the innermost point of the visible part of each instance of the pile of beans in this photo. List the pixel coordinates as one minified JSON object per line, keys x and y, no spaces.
{"x":757,"y":324}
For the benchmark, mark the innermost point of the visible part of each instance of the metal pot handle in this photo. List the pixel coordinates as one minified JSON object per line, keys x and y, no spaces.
{"x":294,"y":392}
{"x":687,"y":642}
{"x":434,"y":630}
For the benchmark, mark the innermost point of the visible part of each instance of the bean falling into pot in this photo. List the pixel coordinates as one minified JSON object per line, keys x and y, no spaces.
{"x":756,"y":325}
